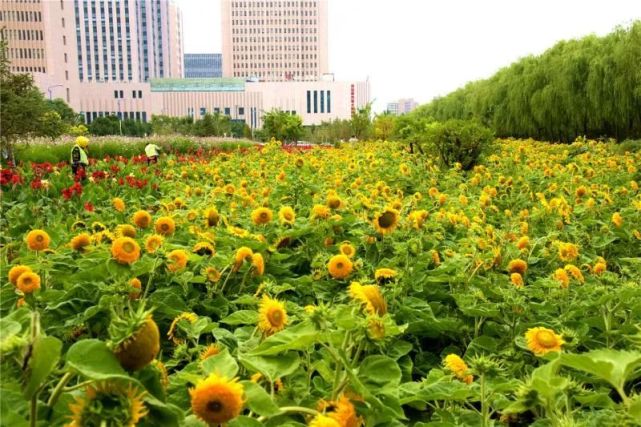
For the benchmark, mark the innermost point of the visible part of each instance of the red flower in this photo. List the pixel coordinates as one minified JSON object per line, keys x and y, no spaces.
{"x":36,"y":184}
{"x":88,"y":207}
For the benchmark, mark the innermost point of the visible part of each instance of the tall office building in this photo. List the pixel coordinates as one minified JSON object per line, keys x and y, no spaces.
{"x":275,"y":40}
{"x":23,"y":28}
{"x":402,"y":106}
{"x":203,"y":65}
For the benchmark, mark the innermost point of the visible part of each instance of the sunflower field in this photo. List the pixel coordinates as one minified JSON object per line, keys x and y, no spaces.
{"x":329,"y":287}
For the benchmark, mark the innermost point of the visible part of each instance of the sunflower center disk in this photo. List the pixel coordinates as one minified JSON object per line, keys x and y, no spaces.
{"x":214,"y":406}
{"x":386,"y":220}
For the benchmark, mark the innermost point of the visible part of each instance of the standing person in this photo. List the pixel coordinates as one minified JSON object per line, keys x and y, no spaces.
{"x":151,"y":151}
{"x":79,"y":159}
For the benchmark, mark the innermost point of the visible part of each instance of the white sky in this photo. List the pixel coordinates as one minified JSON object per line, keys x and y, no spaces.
{"x":425,"y":48}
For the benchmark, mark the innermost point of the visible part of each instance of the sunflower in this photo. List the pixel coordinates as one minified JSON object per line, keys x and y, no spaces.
{"x":286,"y":215}
{"x":321,"y":420}
{"x":97,"y":227}
{"x":125,"y":230}
{"x":171,"y":334}
{"x":217,"y":399}
{"x":212,"y":217}
{"x":118,"y":204}
{"x":575,"y":272}
{"x":203,"y":248}
{"x":242,"y":254}
{"x":516,"y":279}
{"x":334,"y":202}
{"x":16,"y":272}
{"x":38,"y":240}
{"x":142,"y":219}
{"x":370,"y":296}
{"x":259,"y":264}
{"x":386,"y":221}
{"x":344,"y":413}
{"x":320,"y":212}
{"x":347,"y":249}
{"x":617,"y":219}
{"x":523,"y":242}
{"x":165,"y":225}
{"x":383,"y":275}
{"x":28,"y":282}
{"x":177,"y":260}
{"x":153,"y":242}
{"x":568,"y":251}
{"x":212,"y":274}
{"x":417,"y":218}
{"x":561,"y":276}
{"x":210,"y":350}
{"x":458,"y":367}
{"x":261,"y":216}
{"x":272,"y":316}
{"x":600,"y":267}
{"x":542,"y":340}
{"x":125,"y":250}
{"x":517,"y":266}
{"x":136,"y":284}
{"x":339,"y":266}
{"x":80,"y":242}
{"x":78,"y":225}
{"x":108,"y":404}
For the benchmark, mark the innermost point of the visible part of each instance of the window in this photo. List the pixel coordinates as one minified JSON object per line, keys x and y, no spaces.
{"x":133,"y":93}
{"x":139,"y":94}
{"x":122,"y":95}
{"x":203,"y":111}
{"x":322,"y":96}
{"x":227,"y":111}
{"x":315,"y":101}
{"x":309,"y":102}
{"x":116,"y":94}
{"x":66,"y":75}
{"x":241,"y":111}
{"x":329,"y":102}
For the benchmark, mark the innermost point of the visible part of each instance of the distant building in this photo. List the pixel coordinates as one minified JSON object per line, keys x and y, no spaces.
{"x":402,"y":106}
{"x":275,"y":40}
{"x":203,"y":65}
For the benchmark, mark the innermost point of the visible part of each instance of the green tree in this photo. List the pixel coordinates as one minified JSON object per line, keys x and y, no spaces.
{"x":52,"y":125}
{"x":108,"y":125}
{"x":458,"y":141}
{"x":66,"y":113}
{"x":282,"y":126}
{"x":361,"y":122}
{"x":383,"y":126}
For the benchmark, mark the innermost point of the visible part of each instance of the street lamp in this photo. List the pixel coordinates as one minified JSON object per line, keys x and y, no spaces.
{"x":49,"y":89}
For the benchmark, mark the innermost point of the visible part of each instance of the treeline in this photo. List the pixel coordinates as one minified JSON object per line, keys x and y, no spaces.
{"x":588,"y":87}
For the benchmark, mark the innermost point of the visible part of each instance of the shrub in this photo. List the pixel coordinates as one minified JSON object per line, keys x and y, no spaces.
{"x":458,"y":141}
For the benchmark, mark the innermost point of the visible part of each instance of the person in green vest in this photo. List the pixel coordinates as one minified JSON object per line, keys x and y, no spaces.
{"x":79,"y":159}
{"x":152,"y":152}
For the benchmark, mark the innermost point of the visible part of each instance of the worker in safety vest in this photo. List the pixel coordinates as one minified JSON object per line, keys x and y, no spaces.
{"x":151,"y":151}
{"x":79,"y":159}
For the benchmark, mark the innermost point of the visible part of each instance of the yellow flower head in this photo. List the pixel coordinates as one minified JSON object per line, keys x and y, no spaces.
{"x":344,"y":413}
{"x":242,"y":254}
{"x":118,"y":204}
{"x":209,"y":351}
{"x":125,"y":230}
{"x":516,"y":279}
{"x":542,"y":340}
{"x":347,"y":249}
{"x":153,"y":242}
{"x":561,"y":276}
{"x":568,"y":251}
{"x":142,"y":219}
{"x":126,"y":406}
{"x":339,"y":266}
{"x":38,"y":240}
{"x":575,"y":272}
{"x":617,"y":219}
{"x":272,"y":316}
{"x":80,"y":242}
{"x":217,"y":399}
{"x":323,"y":421}
{"x":286,"y":215}
{"x":16,"y":272}
{"x":383,"y":275}
{"x":386,"y":221}
{"x":320,"y":212}
{"x":262,"y":216}
{"x":523,"y":242}
{"x":172,"y":333}
{"x":258,"y":263}
{"x":517,"y":266}
{"x":177,"y":260}
{"x":165,"y":225}
{"x":125,"y":250}
{"x":212,"y":217}
{"x":28,"y":282}
{"x":370,"y":296}
{"x":204,"y":249}
{"x":458,"y":367}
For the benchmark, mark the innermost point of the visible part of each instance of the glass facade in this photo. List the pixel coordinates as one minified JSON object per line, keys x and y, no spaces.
{"x":207,"y":65}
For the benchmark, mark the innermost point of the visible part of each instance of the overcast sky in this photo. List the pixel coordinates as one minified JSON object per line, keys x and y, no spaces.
{"x":424,"y":48}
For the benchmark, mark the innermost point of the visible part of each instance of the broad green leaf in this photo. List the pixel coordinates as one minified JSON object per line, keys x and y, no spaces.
{"x":272,"y":367}
{"x":93,"y":359}
{"x":379,"y":370}
{"x":14,"y":408}
{"x":244,"y":421}
{"x":614,"y":366}
{"x":298,"y":337}
{"x":221,"y":364}
{"x":44,"y":357}
{"x":258,"y":400}
{"x":241,"y":317}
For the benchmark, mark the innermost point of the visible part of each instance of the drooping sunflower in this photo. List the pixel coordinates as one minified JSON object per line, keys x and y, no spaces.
{"x":516,"y":279}
{"x":142,"y":219}
{"x":28,"y":282}
{"x":384,"y":275}
{"x":136,"y":284}
{"x":177,"y":260}
{"x":262,"y":216}
{"x":370,"y":296}
{"x":209,"y":351}
{"x":600,"y":267}
{"x":126,"y":230}
{"x":242,"y":254}
{"x":561,"y":276}
{"x":16,"y":272}
{"x":258,"y":263}
{"x":118,"y":204}
{"x":339,"y":266}
{"x":523,"y":243}
{"x":217,"y":399}
{"x":172,"y":333}
{"x":108,"y":404}
{"x":212,"y":217}
{"x":386,"y":221}
{"x":286,"y":215}
{"x":204,"y":249}
{"x":125,"y":250}
{"x":212,"y":274}
{"x":575,"y":272}
{"x":542,"y":340}
{"x":345,"y":414}
{"x":165,"y":225}
{"x":272,"y":316}
{"x":153,"y":242}
{"x":517,"y":266}
{"x":320,"y":212}
{"x":321,"y":420}
{"x":334,"y":202}
{"x":98,"y":227}
{"x":347,"y":249}
{"x":458,"y":367}
{"x":617,"y":219}
{"x":136,"y":337}
{"x":38,"y":240}
{"x":80,"y":242}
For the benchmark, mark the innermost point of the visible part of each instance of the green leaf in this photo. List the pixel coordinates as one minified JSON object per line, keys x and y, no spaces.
{"x":44,"y":357}
{"x":222,"y":364}
{"x":241,"y":317}
{"x":379,"y":370}
{"x":298,"y":337}
{"x":272,"y":367}
{"x":258,"y":400}
{"x":93,"y":359}
{"x":613,"y":366}
{"x":244,"y":421}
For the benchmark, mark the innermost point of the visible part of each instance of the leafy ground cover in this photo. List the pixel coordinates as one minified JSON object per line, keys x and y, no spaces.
{"x":353,"y":286}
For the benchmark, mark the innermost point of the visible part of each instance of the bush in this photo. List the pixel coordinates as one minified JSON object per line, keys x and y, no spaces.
{"x":458,"y":141}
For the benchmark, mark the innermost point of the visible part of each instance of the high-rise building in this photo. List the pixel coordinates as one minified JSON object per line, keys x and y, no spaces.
{"x":402,"y":106}
{"x":275,"y":40}
{"x":23,"y":28}
{"x":203,"y":65}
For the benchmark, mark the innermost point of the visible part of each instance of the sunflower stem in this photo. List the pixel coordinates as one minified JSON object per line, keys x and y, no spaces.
{"x":222,"y":288}
{"x":59,"y":389}
{"x":290,"y":409}
{"x":77,"y":386}
{"x":151,"y":276}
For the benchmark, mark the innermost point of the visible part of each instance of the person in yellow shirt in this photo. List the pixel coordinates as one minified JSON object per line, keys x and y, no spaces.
{"x":152,"y":152}
{"x":79,"y":160}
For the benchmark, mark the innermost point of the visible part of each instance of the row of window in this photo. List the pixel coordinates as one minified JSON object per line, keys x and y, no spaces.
{"x":274,"y":30}
{"x":325,"y":95}
{"x":268,"y":65}
{"x":28,"y":69}
{"x":278,"y":75}
{"x":240,"y":111}
{"x":25,"y":53}
{"x":273,"y":3}
{"x":276,"y":56}
{"x":274,"y":39}
{"x":120,"y":94}
{"x":20,"y":16}
{"x":26,"y":35}
{"x":125,"y":115}
{"x":273,"y":22}
{"x":287,"y":47}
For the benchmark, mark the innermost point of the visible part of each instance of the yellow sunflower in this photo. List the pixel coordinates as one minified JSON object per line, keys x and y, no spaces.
{"x":125,"y":230}
{"x":262,"y":216}
{"x":347,"y":249}
{"x":561,"y":276}
{"x":383,"y":275}
{"x":339,"y":266}
{"x":516,"y":279}
{"x":370,"y":296}
{"x":286,"y":215}
{"x":320,"y":212}
{"x":38,"y":240}
{"x":617,"y":219}
{"x":259,"y":264}
{"x":16,"y":272}
{"x":568,"y":251}
{"x":153,"y":242}
{"x":386,"y":221}
{"x":136,"y":284}
{"x":575,"y":272}
{"x":458,"y":367}
{"x":204,"y":248}
{"x":172,"y":333}
{"x":165,"y":225}
{"x":334,"y":202}
{"x":80,"y":242}
{"x":272,"y":316}
{"x":217,"y":399}
{"x":210,"y":350}
{"x":517,"y":266}
{"x":177,"y":260}
{"x":242,"y":254}
{"x":212,"y":217}
{"x":542,"y":340}
{"x":345,"y":414}
{"x":523,"y":242}
{"x":118,"y":204}
{"x":28,"y":282}
{"x":321,"y":420}
{"x":108,"y":404}
{"x":212,"y":274}
{"x":125,"y":250}
{"x":142,"y":219}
